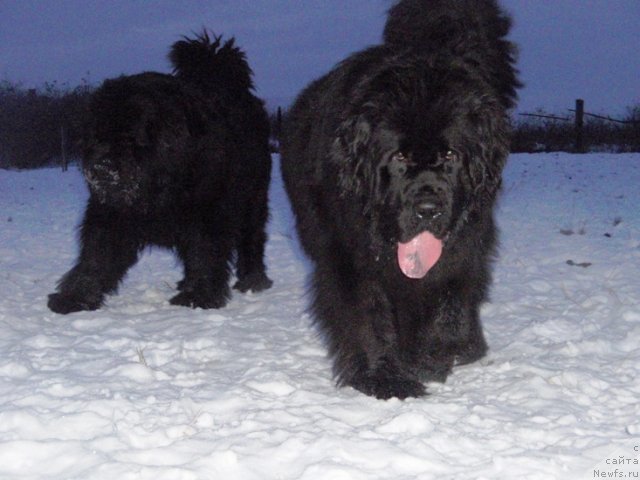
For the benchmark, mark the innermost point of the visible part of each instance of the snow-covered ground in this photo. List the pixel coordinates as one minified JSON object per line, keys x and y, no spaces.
{"x":145,"y":390}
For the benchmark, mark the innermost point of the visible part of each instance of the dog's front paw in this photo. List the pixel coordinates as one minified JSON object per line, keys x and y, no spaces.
{"x":64,"y":304}
{"x":387,"y":381}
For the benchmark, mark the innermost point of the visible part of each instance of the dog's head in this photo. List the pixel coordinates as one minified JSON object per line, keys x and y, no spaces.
{"x":422,"y":158}
{"x":110,"y":179}
{"x":127,"y":144}
{"x":114,"y":163}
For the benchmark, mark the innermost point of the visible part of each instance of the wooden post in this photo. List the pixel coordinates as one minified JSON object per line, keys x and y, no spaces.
{"x":579,"y":126}
{"x":279,"y":123}
{"x":62,"y":149}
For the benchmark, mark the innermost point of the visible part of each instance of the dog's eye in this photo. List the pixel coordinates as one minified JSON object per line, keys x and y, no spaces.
{"x":402,"y":158}
{"x":447,"y":156}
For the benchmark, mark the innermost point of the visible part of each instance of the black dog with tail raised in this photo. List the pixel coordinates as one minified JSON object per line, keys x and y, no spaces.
{"x":181,"y":161}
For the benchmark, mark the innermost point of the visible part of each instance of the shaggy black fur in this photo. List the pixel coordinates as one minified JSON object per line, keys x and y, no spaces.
{"x":406,"y":137}
{"x":181,"y":161}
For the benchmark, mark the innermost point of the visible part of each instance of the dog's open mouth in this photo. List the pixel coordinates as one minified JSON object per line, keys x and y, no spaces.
{"x":419,"y":255}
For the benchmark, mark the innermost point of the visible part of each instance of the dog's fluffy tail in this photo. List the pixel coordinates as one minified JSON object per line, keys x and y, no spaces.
{"x":473,"y":29}
{"x":208,"y":61}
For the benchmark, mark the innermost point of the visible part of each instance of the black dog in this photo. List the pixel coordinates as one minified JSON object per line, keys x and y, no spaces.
{"x":181,"y":161}
{"x":392,"y":162}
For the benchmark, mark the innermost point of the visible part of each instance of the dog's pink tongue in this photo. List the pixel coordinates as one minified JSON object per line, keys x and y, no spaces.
{"x":418,"y":255}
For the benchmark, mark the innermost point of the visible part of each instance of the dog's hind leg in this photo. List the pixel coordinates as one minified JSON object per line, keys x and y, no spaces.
{"x":250,"y":268}
{"x":206,"y":270}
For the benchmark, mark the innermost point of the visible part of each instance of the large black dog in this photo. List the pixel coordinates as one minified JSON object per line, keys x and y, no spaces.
{"x":181,"y":161}
{"x":392,"y":162}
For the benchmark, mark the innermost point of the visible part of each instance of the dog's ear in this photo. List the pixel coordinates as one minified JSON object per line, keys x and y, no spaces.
{"x":485,"y":172}
{"x":491,"y":148}
{"x":350,"y":153}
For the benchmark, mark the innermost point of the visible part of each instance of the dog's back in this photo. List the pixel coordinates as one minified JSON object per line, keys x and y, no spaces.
{"x":219,"y":69}
{"x":474,"y":30}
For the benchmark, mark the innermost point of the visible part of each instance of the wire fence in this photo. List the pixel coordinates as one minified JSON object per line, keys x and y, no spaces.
{"x":581,"y":132}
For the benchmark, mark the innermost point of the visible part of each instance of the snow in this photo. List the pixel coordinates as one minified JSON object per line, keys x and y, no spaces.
{"x":144,"y":390}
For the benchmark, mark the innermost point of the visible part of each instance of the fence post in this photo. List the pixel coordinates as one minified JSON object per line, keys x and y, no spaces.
{"x":63,"y":152}
{"x":279,"y":123}
{"x":579,"y":126}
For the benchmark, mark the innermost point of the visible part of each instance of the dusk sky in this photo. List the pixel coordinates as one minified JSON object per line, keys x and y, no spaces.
{"x":568,"y":48}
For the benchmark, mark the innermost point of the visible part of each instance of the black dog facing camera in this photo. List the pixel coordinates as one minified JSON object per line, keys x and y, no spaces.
{"x":392,"y":162}
{"x":181,"y":161}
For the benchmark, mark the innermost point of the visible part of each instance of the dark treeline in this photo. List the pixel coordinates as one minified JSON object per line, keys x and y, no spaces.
{"x":38,"y":127}
{"x":42,"y":127}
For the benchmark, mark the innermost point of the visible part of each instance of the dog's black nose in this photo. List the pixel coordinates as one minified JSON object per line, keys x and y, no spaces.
{"x":426,"y":209}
